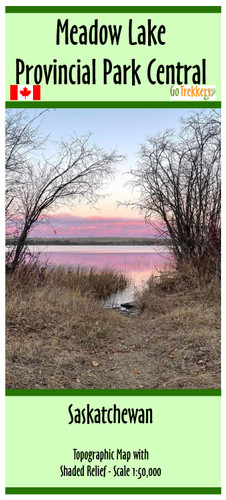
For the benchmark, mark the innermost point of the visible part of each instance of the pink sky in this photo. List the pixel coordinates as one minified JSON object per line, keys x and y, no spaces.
{"x":67,"y":225}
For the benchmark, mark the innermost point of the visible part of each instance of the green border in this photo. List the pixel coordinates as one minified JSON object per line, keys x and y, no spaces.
{"x":123,"y":9}
{"x":113,"y":104}
{"x":114,"y":491}
{"x":113,"y":392}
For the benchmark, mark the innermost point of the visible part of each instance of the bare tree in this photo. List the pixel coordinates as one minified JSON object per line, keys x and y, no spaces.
{"x":178,"y":178}
{"x":76,"y":173}
{"x":22,"y":138}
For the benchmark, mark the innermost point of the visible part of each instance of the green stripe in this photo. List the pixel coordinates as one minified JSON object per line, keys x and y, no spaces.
{"x":113,"y":392}
{"x":96,"y":9}
{"x":113,"y":104}
{"x":114,"y":491}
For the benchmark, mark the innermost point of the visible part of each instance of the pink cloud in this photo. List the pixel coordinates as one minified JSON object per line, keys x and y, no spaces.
{"x":67,"y":225}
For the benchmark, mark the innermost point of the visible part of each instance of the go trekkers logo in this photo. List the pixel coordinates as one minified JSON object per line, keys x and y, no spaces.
{"x":193,"y":92}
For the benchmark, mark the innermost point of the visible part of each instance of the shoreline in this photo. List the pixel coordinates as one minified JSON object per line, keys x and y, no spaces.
{"x":94,"y":241}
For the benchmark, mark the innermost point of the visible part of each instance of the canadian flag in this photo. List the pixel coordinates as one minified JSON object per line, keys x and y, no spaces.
{"x":25,"y":92}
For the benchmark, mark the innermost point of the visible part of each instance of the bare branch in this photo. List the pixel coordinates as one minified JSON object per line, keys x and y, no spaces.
{"x":76,"y":174}
{"x":178,"y":179}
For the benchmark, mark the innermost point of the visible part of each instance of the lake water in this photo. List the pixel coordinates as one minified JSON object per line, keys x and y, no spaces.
{"x":137,"y":262}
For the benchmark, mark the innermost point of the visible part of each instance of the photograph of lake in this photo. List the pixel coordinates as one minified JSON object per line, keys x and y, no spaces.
{"x":113,"y":248}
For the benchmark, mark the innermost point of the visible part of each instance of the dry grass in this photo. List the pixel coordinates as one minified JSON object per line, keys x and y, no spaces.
{"x":47,"y":311}
{"x":173,"y":288}
{"x":96,"y":284}
{"x":183,"y":310}
{"x":56,"y":329}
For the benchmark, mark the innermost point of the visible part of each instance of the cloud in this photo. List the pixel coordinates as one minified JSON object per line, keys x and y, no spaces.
{"x":70,"y":226}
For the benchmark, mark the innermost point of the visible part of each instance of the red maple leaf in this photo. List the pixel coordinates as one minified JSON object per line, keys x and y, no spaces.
{"x":25,"y":92}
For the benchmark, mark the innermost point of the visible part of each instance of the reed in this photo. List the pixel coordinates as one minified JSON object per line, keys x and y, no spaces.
{"x":98,"y":284}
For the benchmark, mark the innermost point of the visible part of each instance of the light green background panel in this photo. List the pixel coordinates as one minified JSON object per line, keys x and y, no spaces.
{"x":183,"y":440}
{"x":189,"y":39}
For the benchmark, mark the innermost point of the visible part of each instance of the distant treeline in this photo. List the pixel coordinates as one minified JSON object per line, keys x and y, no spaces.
{"x":92,"y":241}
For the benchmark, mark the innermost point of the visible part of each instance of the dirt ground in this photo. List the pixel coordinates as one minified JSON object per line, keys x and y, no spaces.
{"x":138,"y":352}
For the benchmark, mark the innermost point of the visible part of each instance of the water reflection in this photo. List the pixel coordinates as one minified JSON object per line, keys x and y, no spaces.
{"x":138,"y":262}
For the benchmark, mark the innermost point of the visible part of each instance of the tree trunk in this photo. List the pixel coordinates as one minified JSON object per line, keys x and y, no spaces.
{"x":19,"y":248}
